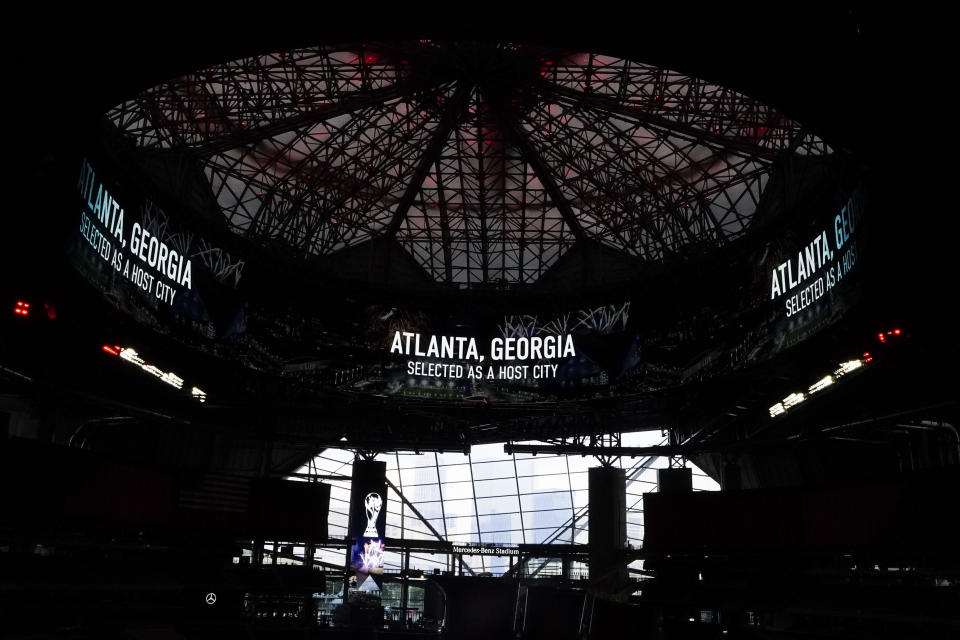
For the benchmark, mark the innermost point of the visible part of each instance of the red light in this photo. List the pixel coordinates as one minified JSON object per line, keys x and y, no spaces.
{"x":110,"y":350}
{"x":51,"y":311}
{"x":866,"y":354}
{"x":881,"y":337}
{"x":22,"y":308}
{"x":867,"y":359}
{"x":896,"y":332}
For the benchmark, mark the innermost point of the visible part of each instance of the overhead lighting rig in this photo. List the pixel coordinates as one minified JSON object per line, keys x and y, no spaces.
{"x":845,"y":368}
{"x":169,"y":377}
{"x":796,"y":398}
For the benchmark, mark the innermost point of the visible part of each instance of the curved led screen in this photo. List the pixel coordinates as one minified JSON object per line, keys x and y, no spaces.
{"x":799,"y":272}
{"x":150,"y":266}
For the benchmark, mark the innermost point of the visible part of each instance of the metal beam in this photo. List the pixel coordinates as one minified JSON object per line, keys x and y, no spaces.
{"x":612,"y":106}
{"x":315,"y":476}
{"x":509,"y":126}
{"x":449,"y":119}
{"x":348,"y":103}
{"x":587,"y":450}
{"x":414,"y":510}
{"x":424,"y":521}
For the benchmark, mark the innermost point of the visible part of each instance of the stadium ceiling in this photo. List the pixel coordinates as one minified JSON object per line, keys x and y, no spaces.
{"x":485,"y":162}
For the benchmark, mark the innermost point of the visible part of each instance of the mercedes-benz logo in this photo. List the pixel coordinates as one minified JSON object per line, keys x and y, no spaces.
{"x":211,"y":598}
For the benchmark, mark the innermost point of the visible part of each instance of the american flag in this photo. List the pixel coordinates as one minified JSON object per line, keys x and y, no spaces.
{"x":217,"y":492}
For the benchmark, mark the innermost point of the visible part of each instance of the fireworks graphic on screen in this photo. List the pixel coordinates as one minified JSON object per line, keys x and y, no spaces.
{"x":372,"y":555}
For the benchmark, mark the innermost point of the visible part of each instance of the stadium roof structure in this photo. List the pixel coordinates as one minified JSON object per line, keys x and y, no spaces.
{"x":485,"y":162}
{"x":502,"y":158}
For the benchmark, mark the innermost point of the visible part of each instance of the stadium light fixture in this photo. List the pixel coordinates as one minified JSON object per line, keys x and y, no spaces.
{"x":168,"y":377}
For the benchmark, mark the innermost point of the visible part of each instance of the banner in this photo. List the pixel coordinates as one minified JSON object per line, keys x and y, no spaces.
{"x":368,"y":515}
{"x":149,"y":266}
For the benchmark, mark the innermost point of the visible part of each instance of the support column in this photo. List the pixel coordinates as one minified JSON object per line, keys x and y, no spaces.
{"x":677,"y":480}
{"x":346,"y":566}
{"x":266,"y":459}
{"x":405,"y":586}
{"x":608,"y":528}
{"x":731,"y":477}
{"x":309,"y":612}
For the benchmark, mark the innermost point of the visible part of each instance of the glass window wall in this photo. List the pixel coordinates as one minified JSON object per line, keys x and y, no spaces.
{"x":489,"y":497}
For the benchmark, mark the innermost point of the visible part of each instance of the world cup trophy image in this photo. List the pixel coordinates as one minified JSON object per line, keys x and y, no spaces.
{"x":372,"y":503}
